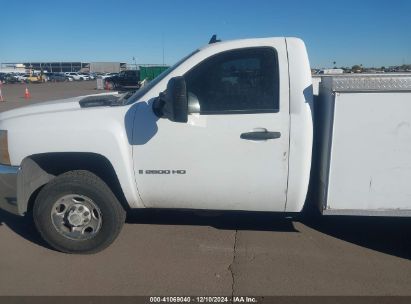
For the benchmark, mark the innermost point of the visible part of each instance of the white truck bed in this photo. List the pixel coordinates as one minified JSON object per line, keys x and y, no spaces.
{"x":365,"y":138}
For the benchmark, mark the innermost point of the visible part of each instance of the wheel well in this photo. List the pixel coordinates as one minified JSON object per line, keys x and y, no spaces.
{"x":32,"y":198}
{"x":55,"y":164}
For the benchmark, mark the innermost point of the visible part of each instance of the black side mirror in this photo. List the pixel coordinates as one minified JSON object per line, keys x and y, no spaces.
{"x":175,"y":100}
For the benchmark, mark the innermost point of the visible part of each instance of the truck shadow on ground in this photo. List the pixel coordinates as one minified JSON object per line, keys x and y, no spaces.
{"x":387,"y":235}
{"x":23,"y":226}
{"x":383,"y":234}
{"x":224,"y":220}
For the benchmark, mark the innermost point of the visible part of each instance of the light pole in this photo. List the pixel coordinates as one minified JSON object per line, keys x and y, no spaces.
{"x":162,"y":42}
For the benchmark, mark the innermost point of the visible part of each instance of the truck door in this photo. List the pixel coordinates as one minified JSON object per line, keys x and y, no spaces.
{"x":128,"y":79}
{"x":233,"y":152}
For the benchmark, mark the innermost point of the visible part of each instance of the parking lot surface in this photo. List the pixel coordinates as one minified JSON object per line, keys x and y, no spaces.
{"x":162,"y":252}
{"x":13,"y":94}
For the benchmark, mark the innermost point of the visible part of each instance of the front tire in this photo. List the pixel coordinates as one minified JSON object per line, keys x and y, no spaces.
{"x":78,"y":213}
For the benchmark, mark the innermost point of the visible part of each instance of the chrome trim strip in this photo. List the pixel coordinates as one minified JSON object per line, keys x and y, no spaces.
{"x":9,"y":169}
{"x":360,"y":212}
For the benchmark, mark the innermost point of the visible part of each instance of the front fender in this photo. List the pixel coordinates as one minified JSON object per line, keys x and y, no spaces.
{"x":67,"y":128}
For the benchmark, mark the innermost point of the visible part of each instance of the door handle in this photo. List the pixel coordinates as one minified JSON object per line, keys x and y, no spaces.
{"x":262,"y":134}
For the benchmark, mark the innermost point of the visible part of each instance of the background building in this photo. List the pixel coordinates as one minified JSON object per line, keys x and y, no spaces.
{"x":63,"y":66}
{"x":107,"y":67}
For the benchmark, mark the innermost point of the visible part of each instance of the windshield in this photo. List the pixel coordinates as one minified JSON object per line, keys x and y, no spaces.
{"x":140,"y":93}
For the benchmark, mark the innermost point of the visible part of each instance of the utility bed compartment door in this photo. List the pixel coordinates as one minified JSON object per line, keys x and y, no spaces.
{"x":370,"y":160}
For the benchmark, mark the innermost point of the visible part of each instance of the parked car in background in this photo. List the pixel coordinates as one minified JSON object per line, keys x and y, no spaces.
{"x":84,"y":76}
{"x":69,"y":78}
{"x":56,"y":77}
{"x":77,"y":76}
{"x":24,"y":77}
{"x":106,"y":75}
{"x":3,"y":77}
{"x":90,"y":76}
{"x":74,"y":75}
{"x":8,"y":78}
{"x":21,"y":77}
{"x":125,"y":80}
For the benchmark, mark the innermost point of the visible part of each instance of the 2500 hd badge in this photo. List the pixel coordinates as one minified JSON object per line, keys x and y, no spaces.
{"x":161,"y":171}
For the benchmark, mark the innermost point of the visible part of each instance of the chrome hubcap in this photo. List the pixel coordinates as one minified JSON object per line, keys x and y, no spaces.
{"x":76,"y":217}
{"x":79,"y":215}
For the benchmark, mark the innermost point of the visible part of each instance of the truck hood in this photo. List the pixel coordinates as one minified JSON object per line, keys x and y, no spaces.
{"x":54,"y":106}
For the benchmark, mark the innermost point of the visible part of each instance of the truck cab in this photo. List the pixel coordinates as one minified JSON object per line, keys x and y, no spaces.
{"x":235,"y":145}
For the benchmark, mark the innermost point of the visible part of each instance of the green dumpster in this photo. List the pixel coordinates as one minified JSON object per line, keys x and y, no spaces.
{"x":151,"y":72}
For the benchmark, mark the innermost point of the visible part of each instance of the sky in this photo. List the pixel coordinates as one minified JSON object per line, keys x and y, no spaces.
{"x":371,"y":33}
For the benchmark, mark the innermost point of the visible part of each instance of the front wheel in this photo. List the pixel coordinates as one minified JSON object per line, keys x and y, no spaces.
{"x":78,"y":213}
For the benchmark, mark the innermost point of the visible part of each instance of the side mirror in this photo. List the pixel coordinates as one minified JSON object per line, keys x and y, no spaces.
{"x":175,"y":100}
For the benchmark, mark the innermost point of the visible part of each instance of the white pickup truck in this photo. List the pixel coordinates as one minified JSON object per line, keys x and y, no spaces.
{"x":229,"y":127}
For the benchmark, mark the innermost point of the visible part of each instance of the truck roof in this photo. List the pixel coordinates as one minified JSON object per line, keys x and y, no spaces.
{"x":240,"y":41}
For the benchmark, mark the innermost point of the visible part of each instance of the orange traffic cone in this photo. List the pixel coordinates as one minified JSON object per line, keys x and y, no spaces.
{"x":27,"y":94}
{"x":1,"y":94}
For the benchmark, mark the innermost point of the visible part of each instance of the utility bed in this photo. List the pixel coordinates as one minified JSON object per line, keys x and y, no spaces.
{"x":363,"y":129}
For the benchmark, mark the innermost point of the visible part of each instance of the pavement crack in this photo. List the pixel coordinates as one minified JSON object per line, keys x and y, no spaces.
{"x":230,"y":267}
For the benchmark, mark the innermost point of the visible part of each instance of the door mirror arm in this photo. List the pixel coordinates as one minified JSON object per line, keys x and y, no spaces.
{"x":158,"y":105}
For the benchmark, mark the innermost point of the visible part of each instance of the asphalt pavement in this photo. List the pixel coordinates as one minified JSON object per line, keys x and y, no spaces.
{"x":166,"y":252}
{"x":14,"y":94}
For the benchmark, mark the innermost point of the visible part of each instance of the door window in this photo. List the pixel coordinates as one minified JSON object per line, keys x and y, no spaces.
{"x":236,"y":82}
